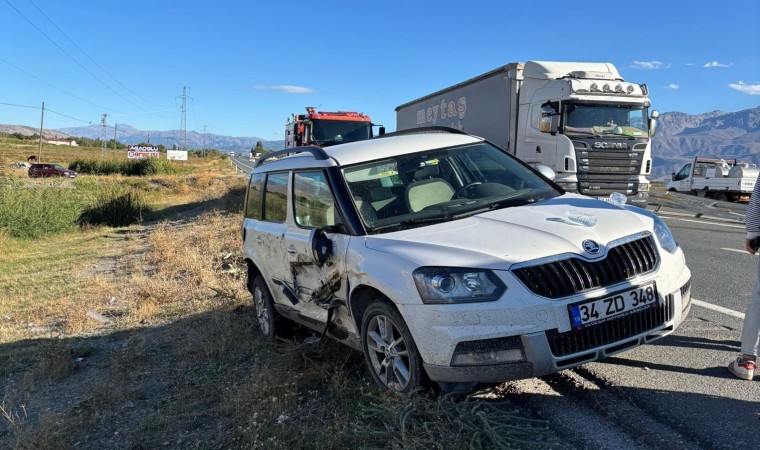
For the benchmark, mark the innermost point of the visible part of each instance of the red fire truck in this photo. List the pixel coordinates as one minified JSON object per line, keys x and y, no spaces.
{"x":327,"y":128}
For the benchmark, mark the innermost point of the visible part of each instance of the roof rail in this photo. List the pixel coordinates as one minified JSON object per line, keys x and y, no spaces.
{"x":422,"y":130}
{"x":317,"y":152}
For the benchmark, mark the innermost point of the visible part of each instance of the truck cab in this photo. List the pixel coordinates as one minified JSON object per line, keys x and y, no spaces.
{"x":327,"y":128}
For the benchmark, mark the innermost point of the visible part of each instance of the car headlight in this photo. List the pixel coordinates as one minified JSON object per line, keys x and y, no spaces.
{"x":457,"y":285}
{"x":661,"y":231}
{"x":667,"y":241}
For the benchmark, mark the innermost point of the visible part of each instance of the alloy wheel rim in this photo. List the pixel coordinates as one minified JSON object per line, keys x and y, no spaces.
{"x":388,"y":353}
{"x":262,"y":313}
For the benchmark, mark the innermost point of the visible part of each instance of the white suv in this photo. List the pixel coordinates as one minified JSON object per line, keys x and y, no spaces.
{"x":441,"y":257}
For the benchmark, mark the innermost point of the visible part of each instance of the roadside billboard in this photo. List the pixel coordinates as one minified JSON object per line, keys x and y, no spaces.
{"x":142,"y":152}
{"x":176,"y":155}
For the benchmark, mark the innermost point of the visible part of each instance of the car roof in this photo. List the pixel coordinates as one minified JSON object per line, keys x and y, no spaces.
{"x":390,"y":146}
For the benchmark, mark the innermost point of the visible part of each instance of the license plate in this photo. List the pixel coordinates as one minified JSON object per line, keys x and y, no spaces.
{"x":617,"y":305}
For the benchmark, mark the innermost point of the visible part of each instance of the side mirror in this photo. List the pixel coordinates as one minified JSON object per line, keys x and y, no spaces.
{"x":653,"y":122}
{"x":321,"y":246}
{"x":546,"y":171}
{"x":549,"y":123}
{"x":673,"y":176}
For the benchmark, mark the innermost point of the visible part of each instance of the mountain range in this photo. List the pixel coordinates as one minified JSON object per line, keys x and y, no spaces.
{"x":679,"y":138}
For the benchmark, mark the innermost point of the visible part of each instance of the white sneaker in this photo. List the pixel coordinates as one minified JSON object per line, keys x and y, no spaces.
{"x":742,"y":369}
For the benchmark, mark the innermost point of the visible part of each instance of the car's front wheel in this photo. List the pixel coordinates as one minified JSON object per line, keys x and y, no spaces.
{"x":389,"y":349}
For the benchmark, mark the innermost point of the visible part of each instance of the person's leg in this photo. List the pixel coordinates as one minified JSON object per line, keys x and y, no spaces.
{"x":751,"y":327}
{"x":744,"y":366}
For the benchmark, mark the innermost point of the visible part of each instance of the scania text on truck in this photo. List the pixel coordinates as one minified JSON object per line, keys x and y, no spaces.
{"x":327,"y":128}
{"x":580,"y":119}
{"x":722,"y":179}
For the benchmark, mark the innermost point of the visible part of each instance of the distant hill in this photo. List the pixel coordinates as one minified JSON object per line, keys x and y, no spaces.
{"x":195,"y":140}
{"x":680,"y":137}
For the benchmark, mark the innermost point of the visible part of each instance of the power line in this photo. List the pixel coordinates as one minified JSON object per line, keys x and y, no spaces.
{"x":89,"y":57}
{"x":47,"y":109}
{"x":54,"y":86}
{"x":74,"y":59}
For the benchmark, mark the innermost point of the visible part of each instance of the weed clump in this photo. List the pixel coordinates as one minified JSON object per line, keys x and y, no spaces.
{"x":116,"y":206}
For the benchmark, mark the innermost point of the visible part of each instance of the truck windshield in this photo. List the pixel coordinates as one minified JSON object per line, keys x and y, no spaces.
{"x":331,"y":132}
{"x":605,"y":120}
{"x":440,"y":185}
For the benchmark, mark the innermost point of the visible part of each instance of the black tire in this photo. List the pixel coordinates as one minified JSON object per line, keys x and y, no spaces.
{"x":722,"y":196}
{"x":390,"y":352}
{"x":266,"y":316}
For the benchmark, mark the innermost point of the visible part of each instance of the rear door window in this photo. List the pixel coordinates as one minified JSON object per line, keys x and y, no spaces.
{"x":253,"y":200}
{"x":276,"y":197}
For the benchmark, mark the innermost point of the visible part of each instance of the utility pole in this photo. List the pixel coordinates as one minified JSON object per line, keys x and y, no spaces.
{"x":103,"y":136}
{"x":114,"y":135}
{"x":42,"y":121}
{"x":203,"y":152}
{"x":183,"y":120}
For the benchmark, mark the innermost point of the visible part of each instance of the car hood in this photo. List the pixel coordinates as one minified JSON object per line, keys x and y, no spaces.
{"x":497,"y":239}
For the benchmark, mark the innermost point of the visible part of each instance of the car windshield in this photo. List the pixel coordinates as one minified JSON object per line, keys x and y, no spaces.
{"x":441,"y":185}
{"x":58,"y":167}
{"x":608,"y":121}
{"x":331,"y":132}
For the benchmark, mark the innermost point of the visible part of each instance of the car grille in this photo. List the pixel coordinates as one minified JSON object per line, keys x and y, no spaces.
{"x":594,"y":336}
{"x":570,"y":276}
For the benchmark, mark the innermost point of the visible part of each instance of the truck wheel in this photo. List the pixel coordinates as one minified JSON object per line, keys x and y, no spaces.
{"x":389,"y":349}
{"x":267,"y":317}
{"x":722,"y":197}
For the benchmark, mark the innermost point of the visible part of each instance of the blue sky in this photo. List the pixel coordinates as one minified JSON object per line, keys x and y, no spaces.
{"x":250,"y":64}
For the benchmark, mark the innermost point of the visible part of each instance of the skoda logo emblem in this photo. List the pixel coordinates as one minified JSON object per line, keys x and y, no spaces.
{"x":591,"y":247}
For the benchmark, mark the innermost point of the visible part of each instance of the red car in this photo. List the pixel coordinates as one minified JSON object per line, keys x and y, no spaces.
{"x":50,"y":170}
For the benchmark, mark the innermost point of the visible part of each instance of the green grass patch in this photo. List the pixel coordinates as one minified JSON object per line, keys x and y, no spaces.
{"x":30,"y":210}
{"x":130,"y":167}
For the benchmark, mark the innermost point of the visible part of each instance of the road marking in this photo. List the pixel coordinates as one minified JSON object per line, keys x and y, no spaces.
{"x":738,"y":251}
{"x":720,"y":309}
{"x":741,"y":227}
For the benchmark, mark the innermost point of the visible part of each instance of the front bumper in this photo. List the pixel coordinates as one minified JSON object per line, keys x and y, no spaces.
{"x":550,"y":351}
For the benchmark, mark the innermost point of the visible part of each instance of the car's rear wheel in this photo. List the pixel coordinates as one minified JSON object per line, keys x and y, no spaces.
{"x":266,"y":316}
{"x":389,"y":349}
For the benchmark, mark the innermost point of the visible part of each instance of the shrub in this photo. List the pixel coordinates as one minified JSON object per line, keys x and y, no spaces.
{"x":130,"y":167}
{"x":116,"y":206}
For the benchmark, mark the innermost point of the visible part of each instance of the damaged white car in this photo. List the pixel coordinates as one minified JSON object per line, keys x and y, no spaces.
{"x":441,"y":257}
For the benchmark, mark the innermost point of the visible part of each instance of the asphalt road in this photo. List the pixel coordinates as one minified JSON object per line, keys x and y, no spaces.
{"x":675,"y":392}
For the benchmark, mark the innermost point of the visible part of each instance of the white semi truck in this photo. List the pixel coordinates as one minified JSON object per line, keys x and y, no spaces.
{"x":727,"y":180}
{"x":580,"y":119}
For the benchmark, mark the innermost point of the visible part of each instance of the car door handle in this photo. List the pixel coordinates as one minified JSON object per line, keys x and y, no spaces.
{"x":259,"y":240}
{"x":292,"y":249}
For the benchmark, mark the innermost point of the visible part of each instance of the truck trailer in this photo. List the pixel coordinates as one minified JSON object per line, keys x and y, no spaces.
{"x":726,"y":180}
{"x":582,"y":120}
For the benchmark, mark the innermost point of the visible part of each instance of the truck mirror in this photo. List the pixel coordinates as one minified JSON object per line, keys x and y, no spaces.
{"x":381,"y":131}
{"x":653,"y":122}
{"x":673,"y":176}
{"x":549,"y":123}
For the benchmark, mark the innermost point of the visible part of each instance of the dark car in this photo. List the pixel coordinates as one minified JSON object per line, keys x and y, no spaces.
{"x":50,"y":170}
